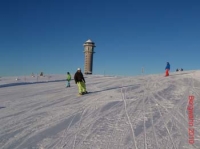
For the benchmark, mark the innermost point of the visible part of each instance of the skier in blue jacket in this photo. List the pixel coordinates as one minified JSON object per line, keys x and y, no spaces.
{"x":167,"y":69}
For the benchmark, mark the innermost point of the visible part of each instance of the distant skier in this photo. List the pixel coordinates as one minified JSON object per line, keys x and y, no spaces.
{"x":80,"y":81}
{"x":167,"y":69}
{"x":181,"y":69}
{"x":68,"y":79}
{"x":177,"y":70}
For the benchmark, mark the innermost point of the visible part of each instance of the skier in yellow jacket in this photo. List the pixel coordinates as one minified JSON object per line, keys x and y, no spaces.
{"x":68,"y":79}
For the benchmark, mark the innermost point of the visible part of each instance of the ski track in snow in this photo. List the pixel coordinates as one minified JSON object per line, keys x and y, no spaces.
{"x":164,"y":121}
{"x":146,"y":89}
{"x":175,"y":118}
{"x":123,"y":97}
{"x":142,"y":112}
{"x":169,"y":134}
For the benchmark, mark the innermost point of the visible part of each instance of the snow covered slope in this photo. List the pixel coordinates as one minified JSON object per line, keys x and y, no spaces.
{"x":144,"y":112}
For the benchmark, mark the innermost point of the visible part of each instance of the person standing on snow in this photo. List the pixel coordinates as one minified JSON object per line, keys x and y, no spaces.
{"x":80,"y":81}
{"x":167,"y":69}
{"x":68,"y":79}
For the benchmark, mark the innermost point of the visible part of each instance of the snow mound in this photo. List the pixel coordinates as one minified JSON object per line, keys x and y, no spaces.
{"x":143,"y":112}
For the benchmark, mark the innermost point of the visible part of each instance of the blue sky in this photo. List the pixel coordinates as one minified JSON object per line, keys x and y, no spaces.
{"x":48,"y":35}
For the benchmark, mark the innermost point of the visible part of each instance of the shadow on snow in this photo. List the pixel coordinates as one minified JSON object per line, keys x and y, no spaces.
{"x":27,"y":83}
{"x":113,"y":88}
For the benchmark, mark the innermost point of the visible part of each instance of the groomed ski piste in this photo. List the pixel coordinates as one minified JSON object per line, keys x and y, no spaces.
{"x":141,"y":112}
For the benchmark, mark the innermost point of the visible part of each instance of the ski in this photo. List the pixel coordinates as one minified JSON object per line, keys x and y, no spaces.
{"x":83,"y":94}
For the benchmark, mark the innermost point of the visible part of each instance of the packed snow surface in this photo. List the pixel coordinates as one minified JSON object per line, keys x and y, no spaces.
{"x":141,"y":112}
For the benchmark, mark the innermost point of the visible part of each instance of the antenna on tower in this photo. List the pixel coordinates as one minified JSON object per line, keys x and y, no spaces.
{"x":142,"y":70}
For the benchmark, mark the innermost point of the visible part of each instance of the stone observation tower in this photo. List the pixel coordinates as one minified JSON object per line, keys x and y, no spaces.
{"x":88,"y":50}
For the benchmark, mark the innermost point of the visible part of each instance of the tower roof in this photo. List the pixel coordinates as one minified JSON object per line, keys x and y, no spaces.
{"x":89,"y":41}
